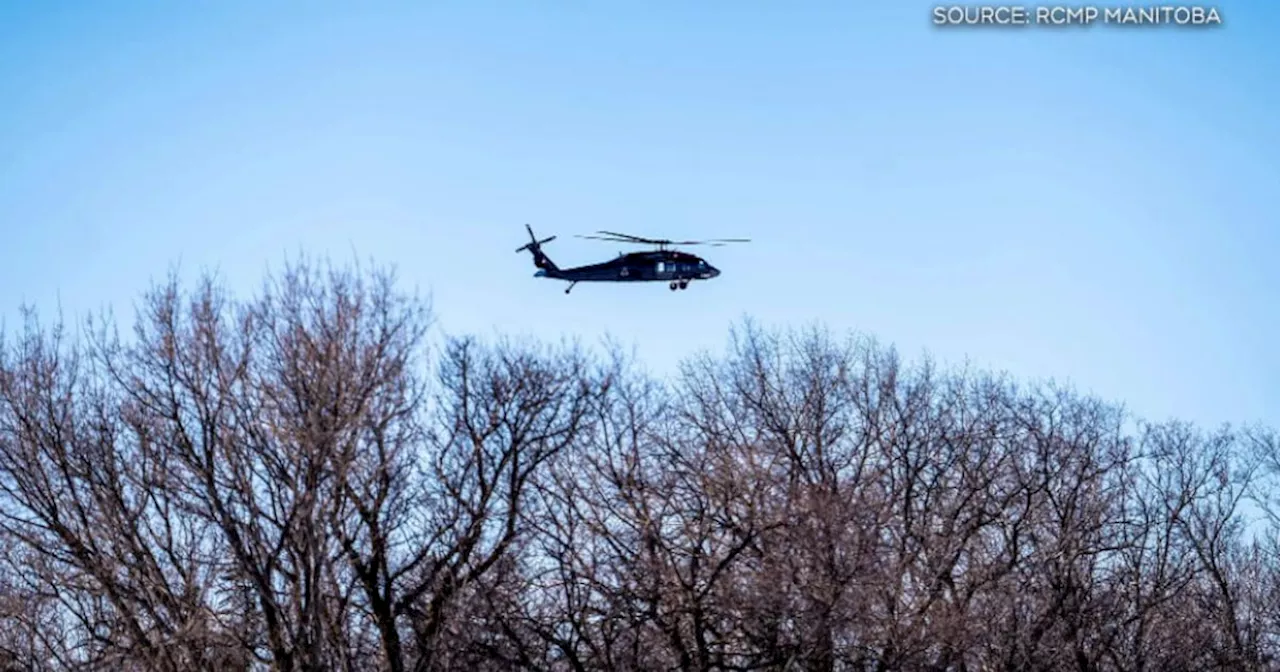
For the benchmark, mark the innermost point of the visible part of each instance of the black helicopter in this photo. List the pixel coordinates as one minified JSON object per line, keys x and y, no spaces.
{"x":661,"y":265}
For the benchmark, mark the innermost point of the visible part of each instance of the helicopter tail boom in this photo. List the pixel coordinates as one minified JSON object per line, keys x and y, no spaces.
{"x":546,"y":267}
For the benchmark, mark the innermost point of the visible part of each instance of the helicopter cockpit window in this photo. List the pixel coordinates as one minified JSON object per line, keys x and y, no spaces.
{"x":702,"y":264}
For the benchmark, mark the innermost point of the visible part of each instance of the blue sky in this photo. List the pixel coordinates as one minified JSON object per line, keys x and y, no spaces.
{"x":1095,"y":205}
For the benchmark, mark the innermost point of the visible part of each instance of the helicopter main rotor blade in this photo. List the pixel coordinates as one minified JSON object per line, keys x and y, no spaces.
{"x":638,"y":239}
{"x":666,"y":241}
{"x":615,"y":237}
{"x":713,"y":241}
{"x":629,"y":241}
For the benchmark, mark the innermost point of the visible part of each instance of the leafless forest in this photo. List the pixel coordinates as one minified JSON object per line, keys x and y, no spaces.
{"x":309,"y":479}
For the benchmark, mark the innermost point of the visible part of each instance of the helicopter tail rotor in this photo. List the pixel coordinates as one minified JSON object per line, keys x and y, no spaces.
{"x":533,"y":244}
{"x":540,"y":259}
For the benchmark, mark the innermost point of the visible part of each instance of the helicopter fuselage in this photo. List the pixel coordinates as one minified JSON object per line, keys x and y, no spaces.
{"x":652,"y":266}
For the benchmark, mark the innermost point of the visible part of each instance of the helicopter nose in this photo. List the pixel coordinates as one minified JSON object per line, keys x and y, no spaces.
{"x":713,"y":271}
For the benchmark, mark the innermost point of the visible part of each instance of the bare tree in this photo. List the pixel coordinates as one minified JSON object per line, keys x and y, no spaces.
{"x":305,"y":480}
{"x":268,"y":480}
{"x":92,"y":531}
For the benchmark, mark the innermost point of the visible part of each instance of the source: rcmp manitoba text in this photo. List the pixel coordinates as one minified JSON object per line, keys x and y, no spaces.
{"x":1075,"y":15}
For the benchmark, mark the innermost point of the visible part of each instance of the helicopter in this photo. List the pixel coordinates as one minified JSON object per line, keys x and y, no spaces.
{"x":664,"y":264}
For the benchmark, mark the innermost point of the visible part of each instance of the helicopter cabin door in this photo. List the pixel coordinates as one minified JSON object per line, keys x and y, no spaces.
{"x":661,"y":269}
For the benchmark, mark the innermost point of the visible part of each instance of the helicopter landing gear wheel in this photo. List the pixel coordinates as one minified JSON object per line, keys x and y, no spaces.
{"x":673,"y":286}
{"x":684,"y":284}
